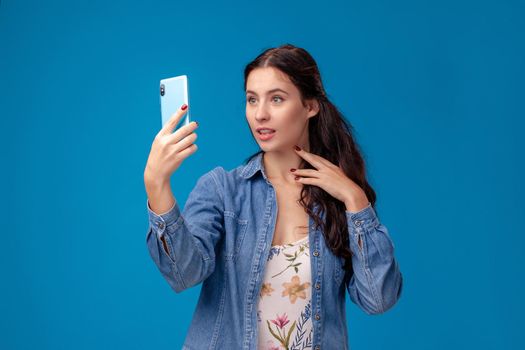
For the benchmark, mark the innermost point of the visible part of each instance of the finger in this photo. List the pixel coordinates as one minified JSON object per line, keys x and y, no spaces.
{"x":182,"y":132}
{"x":187,"y":151}
{"x":307,"y":180}
{"x":174,"y":120}
{"x":185,"y":142}
{"x":306,"y":172}
{"x":311,"y":158}
{"x":322,"y":160}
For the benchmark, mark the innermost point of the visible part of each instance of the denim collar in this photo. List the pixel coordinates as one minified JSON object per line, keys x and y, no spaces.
{"x":256,"y":164}
{"x":253,"y":166}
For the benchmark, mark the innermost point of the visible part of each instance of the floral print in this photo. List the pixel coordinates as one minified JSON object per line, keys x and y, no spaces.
{"x":281,"y":321}
{"x":284,"y":306}
{"x":266,"y":289}
{"x":293,"y":257}
{"x":295,"y":289}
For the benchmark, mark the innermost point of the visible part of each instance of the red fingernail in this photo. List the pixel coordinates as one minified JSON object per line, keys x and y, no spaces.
{"x":292,"y":169}
{"x":297,"y":148}
{"x":184,"y":106}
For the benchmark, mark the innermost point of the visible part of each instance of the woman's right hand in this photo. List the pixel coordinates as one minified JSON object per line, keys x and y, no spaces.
{"x":169,"y":149}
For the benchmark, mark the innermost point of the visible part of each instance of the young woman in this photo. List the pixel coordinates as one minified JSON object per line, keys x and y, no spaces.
{"x":278,"y":241}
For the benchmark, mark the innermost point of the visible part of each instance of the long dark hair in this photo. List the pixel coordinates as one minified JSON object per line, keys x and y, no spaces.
{"x":330,"y":136}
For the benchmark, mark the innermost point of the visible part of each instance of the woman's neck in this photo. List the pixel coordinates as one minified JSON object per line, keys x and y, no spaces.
{"x":277,"y":166}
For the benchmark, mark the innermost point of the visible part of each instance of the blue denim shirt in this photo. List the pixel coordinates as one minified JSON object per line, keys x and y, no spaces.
{"x":222,"y":239}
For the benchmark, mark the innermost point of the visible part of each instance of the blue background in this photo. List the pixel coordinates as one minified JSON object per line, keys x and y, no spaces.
{"x":434,"y":90}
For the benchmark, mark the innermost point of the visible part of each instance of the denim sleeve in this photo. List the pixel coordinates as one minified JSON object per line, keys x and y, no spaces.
{"x":190,"y":236}
{"x":376,"y":282}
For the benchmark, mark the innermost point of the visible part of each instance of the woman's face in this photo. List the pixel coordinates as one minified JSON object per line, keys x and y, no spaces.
{"x":273,"y":101}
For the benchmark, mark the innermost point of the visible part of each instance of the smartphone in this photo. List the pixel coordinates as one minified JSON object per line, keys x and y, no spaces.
{"x":173,"y":94}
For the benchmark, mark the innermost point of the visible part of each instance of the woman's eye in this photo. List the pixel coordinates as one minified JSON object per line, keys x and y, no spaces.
{"x":275,"y":98}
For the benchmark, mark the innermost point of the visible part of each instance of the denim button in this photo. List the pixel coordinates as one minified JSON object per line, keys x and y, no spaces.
{"x":317,"y":286}
{"x":317,"y":347}
{"x":316,"y":253}
{"x":357,"y":223}
{"x":160,"y":224}
{"x":317,"y":317}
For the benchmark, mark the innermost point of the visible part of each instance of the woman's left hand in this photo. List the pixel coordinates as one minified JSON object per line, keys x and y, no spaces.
{"x":332,"y":179}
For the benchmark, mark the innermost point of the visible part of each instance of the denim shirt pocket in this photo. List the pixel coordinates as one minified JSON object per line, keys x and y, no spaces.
{"x":235,"y":230}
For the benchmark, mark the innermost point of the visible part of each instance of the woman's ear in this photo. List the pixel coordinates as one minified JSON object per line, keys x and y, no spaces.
{"x":313,"y":107}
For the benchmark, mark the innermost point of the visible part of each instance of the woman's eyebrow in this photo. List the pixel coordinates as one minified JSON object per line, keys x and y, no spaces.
{"x":269,"y":91}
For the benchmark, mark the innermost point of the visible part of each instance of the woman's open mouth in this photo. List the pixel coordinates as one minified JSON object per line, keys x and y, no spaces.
{"x":265,"y":135}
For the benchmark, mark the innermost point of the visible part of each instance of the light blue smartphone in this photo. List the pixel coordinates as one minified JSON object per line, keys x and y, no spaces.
{"x":173,"y":94}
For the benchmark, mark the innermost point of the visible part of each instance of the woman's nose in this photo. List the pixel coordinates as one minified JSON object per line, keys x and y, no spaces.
{"x":262,"y":112}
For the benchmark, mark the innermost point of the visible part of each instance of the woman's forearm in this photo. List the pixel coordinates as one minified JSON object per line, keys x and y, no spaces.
{"x":160,"y":196}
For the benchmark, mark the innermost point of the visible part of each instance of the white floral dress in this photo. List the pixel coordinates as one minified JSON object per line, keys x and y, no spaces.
{"x":284,"y":306}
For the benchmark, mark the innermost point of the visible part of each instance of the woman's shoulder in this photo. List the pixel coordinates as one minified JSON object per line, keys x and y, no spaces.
{"x":227,"y":176}
{"x":228,"y":180}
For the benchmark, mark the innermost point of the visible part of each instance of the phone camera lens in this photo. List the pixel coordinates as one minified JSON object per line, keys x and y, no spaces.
{"x":161,"y":89}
